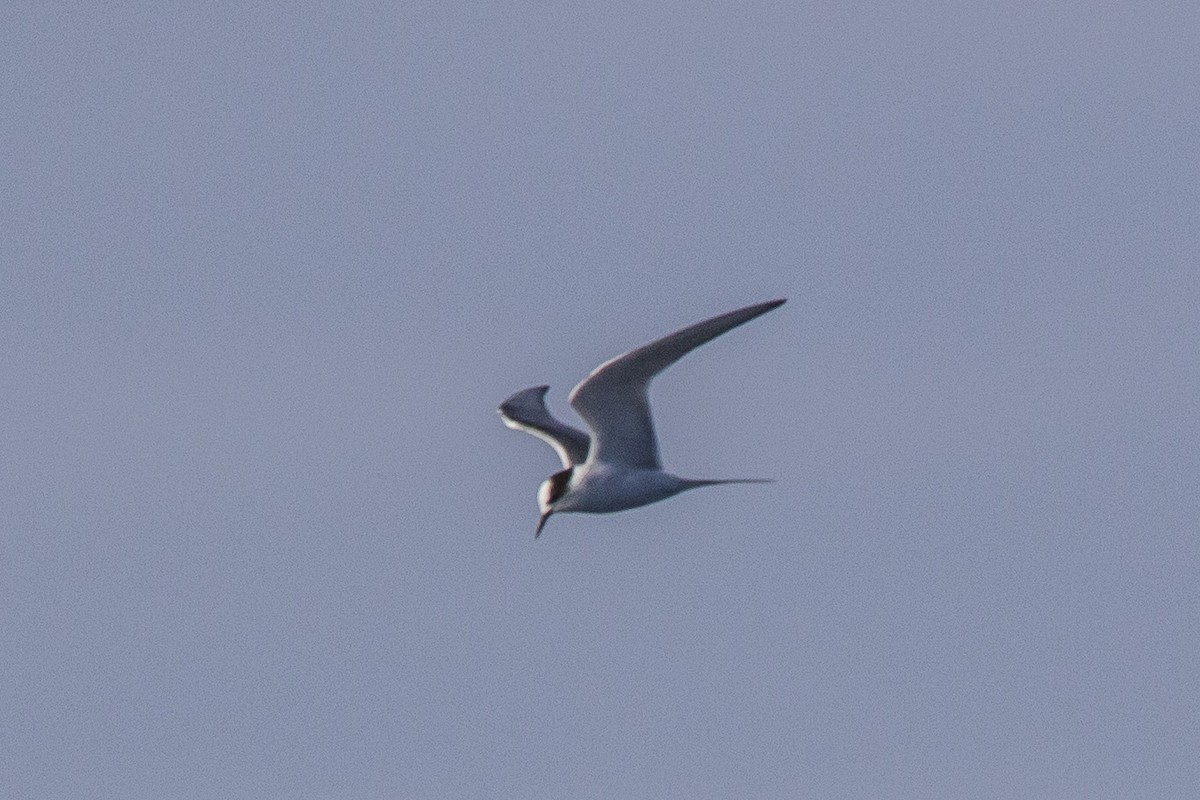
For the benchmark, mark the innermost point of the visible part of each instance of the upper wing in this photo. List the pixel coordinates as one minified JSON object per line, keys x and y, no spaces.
{"x":526,"y":411}
{"x":613,"y":400}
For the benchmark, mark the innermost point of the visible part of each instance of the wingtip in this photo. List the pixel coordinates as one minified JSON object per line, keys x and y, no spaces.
{"x":762,"y":308}
{"x":769,"y":305}
{"x":506,"y":408}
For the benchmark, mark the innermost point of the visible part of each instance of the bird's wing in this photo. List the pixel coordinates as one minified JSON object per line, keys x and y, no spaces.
{"x":526,"y":411}
{"x":613,"y":400}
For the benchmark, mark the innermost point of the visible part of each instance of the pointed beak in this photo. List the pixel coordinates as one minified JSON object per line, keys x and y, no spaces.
{"x":542,"y":523}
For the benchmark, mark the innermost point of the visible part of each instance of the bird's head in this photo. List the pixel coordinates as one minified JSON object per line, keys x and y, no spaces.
{"x":549,"y":494}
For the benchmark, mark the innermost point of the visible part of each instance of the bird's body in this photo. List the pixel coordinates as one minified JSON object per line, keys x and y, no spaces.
{"x":617,"y":467}
{"x":600,"y":487}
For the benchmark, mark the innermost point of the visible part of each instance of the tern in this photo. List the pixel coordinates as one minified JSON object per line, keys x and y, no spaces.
{"x":617,"y":466}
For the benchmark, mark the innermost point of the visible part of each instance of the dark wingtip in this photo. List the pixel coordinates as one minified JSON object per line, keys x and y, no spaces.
{"x":758,"y":309}
{"x":762,"y":308}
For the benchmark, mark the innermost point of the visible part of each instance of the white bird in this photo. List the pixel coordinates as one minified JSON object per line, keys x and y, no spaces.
{"x":617,"y":467}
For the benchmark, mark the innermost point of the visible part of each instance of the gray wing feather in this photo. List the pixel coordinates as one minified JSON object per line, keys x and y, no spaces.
{"x":526,"y":411}
{"x":613,"y":399}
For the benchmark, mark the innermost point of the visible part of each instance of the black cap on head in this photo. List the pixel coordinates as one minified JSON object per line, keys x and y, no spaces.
{"x":558,"y":483}
{"x":552,"y":489}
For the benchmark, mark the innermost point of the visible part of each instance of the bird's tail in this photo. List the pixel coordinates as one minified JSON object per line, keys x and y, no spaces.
{"x":696,"y":484}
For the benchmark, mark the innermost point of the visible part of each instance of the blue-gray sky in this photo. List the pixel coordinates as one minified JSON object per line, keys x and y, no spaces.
{"x":267,"y":272}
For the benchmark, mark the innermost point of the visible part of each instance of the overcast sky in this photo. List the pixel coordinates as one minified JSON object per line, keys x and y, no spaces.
{"x":268,"y":271}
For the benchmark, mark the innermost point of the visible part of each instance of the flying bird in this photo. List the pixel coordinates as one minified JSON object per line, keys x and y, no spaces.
{"x":617,"y":466}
